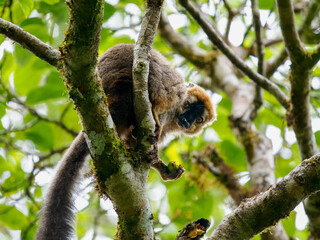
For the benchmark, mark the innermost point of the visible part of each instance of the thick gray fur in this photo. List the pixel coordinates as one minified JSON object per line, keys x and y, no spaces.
{"x":57,"y":214}
{"x":167,"y":89}
{"x":167,"y":92}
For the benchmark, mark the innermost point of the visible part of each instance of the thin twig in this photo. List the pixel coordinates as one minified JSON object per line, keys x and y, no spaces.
{"x":231,"y":15}
{"x":258,"y":32}
{"x":25,"y":127}
{"x":224,"y":174}
{"x":216,"y":39}
{"x":290,"y":35}
{"x":36,"y":114}
{"x":181,"y":44}
{"x":312,"y":11}
{"x":274,"y":63}
{"x":30,"y":42}
{"x":260,"y":48}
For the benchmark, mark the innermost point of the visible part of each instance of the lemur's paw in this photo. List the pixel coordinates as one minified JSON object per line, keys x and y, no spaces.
{"x":153,"y":138}
{"x":173,"y":172}
{"x":153,"y":155}
{"x":158,"y":132}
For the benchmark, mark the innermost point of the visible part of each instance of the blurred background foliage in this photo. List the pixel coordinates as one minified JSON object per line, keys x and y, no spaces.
{"x":38,"y":121}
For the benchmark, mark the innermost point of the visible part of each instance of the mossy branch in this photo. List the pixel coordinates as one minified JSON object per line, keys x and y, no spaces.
{"x":310,"y":14}
{"x":140,"y":72}
{"x":315,"y":55}
{"x":78,"y":67}
{"x":116,"y":176}
{"x":299,"y":78}
{"x":271,"y":205}
{"x":290,"y":35}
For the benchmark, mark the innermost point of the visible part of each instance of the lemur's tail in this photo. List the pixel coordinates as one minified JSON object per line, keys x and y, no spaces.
{"x":57,"y":214}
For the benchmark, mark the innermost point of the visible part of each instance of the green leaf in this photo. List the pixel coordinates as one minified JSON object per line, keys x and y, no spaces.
{"x":3,"y":164}
{"x":58,"y":11}
{"x":12,"y":217}
{"x":41,"y":134}
{"x":2,"y":113}
{"x":19,"y":12}
{"x":109,"y":10}
{"x":22,"y":55}
{"x":108,"y":40}
{"x":36,"y":27}
{"x":7,"y":67}
{"x":2,"y":38}
{"x":27,"y":6}
{"x":289,"y":224}
{"x":269,"y":117}
{"x":28,"y":77}
{"x":43,"y":93}
{"x":266,"y":4}
{"x":50,"y":2}
{"x":38,"y":192}
{"x":233,"y":153}
{"x":317,"y":135}
{"x":54,"y":88}
{"x":16,"y":181}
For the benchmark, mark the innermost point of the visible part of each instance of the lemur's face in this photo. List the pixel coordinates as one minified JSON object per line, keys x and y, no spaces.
{"x":193,"y":115}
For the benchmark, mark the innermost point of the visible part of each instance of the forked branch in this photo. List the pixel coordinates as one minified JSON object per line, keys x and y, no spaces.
{"x":225,"y":49}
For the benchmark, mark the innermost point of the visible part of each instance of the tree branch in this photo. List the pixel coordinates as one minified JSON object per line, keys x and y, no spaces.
{"x":309,"y":16}
{"x":315,"y":55}
{"x":181,"y":44}
{"x":140,"y":70}
{"x":300,"y":115}
{"x":257,"y":147}
{"x":275,"y":62}
{"x":30,"y":42}
{"x":136,"y":219}
{"x":271,"y":205}
{"x":290,"y":35}
{"x":78,"y":67}
{"x":300,"y":81}
{"x":216,"y":39}
{"x":224,"y":174}
{"x":258,"y":31}
{"x":260,"y":47}
{"x":79,"y":59}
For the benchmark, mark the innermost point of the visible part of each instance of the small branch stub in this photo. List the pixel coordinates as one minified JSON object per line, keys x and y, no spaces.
{"x":194,"y":230}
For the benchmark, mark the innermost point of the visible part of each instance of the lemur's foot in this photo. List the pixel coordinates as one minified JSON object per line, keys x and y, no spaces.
{"x":157,"y":132}
{"x":173,"y":172}
{"x":153,"y":155}
{"x":170,"y":172}
{"x":153,"y":138}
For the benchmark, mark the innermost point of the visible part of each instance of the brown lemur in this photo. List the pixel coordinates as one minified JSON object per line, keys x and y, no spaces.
{"x":176,"y":106}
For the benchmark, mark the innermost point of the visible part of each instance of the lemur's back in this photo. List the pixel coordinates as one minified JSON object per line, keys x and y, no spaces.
{"x":167,"y":89}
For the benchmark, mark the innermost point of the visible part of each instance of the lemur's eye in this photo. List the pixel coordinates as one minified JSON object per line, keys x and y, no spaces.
{"x":199,"y":120}
{"x":186,"y":104}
